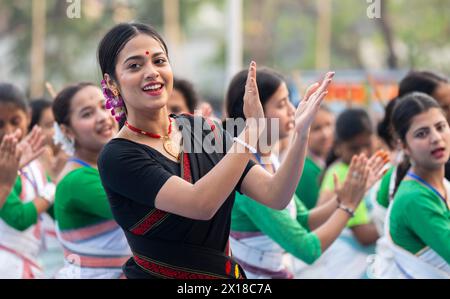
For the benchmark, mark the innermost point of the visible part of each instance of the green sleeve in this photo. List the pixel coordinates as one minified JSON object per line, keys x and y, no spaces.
{"x":308,"y":187}
{"x":287,"y":232}
{"x":302,"y":213}
{"x":88,"y":195}
{"x":383,"y":191}
{"x":17,"y":214}
{"x":430,"y":221}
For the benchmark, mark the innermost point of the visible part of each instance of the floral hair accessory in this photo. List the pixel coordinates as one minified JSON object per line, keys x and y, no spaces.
{"x":114,"y":102}
{"x":67,"y":145}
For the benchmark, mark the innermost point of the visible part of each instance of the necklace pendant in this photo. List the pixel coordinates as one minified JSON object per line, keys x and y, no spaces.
{"x":168,"y":147}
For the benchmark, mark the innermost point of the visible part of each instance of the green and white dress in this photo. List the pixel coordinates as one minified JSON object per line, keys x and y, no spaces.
{"x":94,"y":245}
{"x":417,"y":237}
{"x":21,"y":230}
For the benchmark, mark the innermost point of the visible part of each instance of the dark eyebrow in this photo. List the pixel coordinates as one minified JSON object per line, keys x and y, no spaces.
{"x":86,"y":108}
{"x":421,"y":128}
{"x":136,"y":57}
{"x":140,"y":57}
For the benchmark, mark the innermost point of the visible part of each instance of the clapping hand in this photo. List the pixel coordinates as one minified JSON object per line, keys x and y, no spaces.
{"x":252,"y":105}
{"x":377,"y":169}
{"x":309,"y":106}
{"x":354,"y":187}
{"x":9,"y":159}
{"x":32,"y":146}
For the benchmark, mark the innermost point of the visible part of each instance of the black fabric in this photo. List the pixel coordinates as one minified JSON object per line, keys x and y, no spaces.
{"x":447,"y":170}
{"x":132,"y":175}
{"x":207,"y":260}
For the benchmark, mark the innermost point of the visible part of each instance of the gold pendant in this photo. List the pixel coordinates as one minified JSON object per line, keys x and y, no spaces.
{"x":169,"y":148}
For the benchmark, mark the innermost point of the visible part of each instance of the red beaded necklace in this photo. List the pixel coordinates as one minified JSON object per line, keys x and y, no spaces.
{"x":167,"y":144}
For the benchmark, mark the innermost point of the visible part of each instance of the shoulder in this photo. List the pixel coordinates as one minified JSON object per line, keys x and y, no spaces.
{"x":118,"y":145}
{"x":80,"y":175}
{"x":408,"y":188}
{"x":411,"y":195}
{"x":118,"y":150}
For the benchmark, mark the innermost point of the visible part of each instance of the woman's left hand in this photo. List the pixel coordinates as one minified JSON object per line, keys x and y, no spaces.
{"x":309,"y":106}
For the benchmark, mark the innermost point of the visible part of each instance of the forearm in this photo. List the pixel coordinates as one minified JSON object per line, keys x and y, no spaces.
{"x":214,"y":188}
{"x":321,"y":214}
{"x":283,"y":183}
{"x":325,"y":196}
{"x":332,"y":228}
{"x":366,"y":234}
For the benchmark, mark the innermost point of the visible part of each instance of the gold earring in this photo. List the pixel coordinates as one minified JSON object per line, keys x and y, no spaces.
{"x":115,"y":92}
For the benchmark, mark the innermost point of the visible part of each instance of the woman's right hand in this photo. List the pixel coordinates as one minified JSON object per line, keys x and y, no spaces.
{"x":352,"y":191}
{"x":252,"y":105}
{"x":9,"y":159}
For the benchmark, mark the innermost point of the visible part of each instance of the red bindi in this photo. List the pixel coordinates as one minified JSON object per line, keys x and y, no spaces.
{"x":147,"y":53}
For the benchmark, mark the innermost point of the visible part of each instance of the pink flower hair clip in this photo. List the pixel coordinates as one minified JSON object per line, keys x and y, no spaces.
{"x":113,"y":102}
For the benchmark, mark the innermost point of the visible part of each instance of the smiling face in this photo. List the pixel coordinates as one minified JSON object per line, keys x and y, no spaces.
{"x":144,"y":75}
{"x":90,"y":124}
{"x":428,"y":139}
{"x":279,"y":107}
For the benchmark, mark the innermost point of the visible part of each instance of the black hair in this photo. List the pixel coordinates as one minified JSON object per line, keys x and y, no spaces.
{"x":421,"y":81}
{"x":406,"y":108}
{"x":350,"y":124}
{"x":113,"y":43}
{"x":115,"y":40}
{"x":187,"y":89}
{"x":268,"y":81}
{"x":37,"y":108}
{"x":62,"y":102}
{"x":11,"y":94}
{"x":384,"y":128}
{"x":415,"y":81}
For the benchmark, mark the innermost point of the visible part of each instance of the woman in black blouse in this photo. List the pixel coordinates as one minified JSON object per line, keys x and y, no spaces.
{"x":174,"y":202}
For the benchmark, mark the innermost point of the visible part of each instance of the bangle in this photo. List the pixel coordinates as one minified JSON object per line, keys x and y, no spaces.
{"x":48,"y":194}
{"x":247,"y":146}
{"x":346,"y":209}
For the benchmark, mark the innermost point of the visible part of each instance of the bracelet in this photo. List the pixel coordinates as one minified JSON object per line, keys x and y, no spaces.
{"x":247,"y":146}
{"x":346,"y":209}
{"x":48,"y":194}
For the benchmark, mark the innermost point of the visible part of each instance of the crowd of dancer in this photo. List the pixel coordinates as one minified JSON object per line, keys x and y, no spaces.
{"x":113,"y":179}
